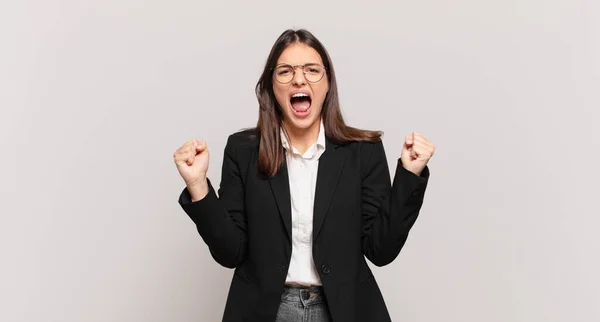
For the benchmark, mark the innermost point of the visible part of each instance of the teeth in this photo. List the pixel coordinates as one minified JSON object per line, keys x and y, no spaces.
{"x":300,"y":95}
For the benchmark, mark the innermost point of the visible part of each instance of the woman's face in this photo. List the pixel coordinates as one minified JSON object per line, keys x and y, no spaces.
{"x":300,"y":100}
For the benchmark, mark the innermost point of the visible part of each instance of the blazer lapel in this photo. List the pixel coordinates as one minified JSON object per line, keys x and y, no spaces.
{"x":280,"y":185}
{"x":331,"y":164}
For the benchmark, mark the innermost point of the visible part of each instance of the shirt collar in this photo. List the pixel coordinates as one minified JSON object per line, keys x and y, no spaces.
{"x":320,"y":143}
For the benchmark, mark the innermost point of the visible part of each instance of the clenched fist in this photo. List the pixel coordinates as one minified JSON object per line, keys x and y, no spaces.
{"x":192,"y":163}
{"x":416,"y":152}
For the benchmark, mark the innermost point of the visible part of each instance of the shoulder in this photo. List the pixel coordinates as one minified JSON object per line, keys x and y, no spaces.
{"x":367,"y":154}
{"x":245,"y":136}
{"x":365,"y":149}
{"x":244,"y":139}
{"x":372,"y":154}
{"x":362,"y":142}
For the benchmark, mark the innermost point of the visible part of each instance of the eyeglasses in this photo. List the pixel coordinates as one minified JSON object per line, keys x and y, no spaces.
{"x":313,"y":73}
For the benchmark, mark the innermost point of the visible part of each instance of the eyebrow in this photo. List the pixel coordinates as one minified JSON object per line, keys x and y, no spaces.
{"x":309,"y":63}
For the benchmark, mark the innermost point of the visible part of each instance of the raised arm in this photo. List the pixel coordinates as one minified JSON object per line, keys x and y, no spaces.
{"x":389,"y":209}
{"x":220,"y":221}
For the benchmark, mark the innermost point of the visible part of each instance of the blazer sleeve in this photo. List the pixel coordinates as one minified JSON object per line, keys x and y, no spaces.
{"x":221,"y":221}
{"x":389,"y":210}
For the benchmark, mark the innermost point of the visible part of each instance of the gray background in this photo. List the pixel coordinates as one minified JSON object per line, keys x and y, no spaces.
{"x":95,"y":97}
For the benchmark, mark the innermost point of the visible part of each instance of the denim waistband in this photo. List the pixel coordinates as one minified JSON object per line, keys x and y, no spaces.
{"x":305,"y":295}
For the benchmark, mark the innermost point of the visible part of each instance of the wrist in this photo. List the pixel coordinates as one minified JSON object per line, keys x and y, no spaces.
{"x":198,"y":189}
{"x":413,"y":170}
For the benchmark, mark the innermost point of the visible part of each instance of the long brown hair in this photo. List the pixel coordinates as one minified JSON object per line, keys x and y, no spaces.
{"x":271,"y":154}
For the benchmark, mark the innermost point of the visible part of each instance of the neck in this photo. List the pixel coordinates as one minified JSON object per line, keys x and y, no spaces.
{"x":301,"y":139}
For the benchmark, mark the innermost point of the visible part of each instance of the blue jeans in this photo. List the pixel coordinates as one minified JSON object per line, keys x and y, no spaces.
{"x":303,"y":305}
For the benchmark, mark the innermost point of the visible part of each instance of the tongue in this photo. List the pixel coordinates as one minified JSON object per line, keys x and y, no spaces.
{"x":301,"y":106}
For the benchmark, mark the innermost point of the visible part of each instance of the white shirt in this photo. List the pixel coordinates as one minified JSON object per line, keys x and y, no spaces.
{"x":302,"y":171}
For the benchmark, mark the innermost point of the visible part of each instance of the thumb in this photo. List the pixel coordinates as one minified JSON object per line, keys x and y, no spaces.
{"x":408,"y":150}
{"x":201,"y":146}
{"x":408,"y":141}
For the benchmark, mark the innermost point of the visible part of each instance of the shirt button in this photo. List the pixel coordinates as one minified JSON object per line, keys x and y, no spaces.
{"x":326,"y":269}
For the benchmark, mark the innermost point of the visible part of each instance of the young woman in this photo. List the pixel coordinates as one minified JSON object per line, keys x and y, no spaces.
{"x":304,"y":198}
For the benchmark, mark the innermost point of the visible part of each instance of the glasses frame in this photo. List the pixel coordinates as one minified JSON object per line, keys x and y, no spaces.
{"x":303,"y":72}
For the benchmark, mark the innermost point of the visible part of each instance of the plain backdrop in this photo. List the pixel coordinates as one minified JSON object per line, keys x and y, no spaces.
{"x":95,"y":97}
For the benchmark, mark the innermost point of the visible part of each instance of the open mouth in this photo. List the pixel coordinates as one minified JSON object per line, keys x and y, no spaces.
{"x":300,"y":103}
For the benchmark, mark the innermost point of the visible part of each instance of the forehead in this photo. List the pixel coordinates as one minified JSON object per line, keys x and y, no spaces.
{"x":298,"y":53}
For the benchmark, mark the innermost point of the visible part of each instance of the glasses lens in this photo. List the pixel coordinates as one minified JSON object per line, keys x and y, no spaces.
{"x":313,"y":73}
{"x":284,"y":74}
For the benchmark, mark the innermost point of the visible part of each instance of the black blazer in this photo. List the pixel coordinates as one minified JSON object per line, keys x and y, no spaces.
{"x":358,"y":213}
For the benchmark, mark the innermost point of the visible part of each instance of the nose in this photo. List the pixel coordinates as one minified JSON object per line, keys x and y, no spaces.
{"x":299,"y":78}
